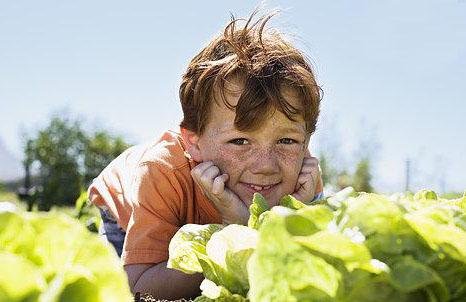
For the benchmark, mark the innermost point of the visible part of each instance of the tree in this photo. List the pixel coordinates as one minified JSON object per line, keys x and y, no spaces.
{"x":329,"y":173}
{"x":343,"y":180}
{"x":362,"y":177}
{"x":25,"y":192}
{"x":100,"y":150}
{"x":68,"y":158}
{"x":58,"y":149}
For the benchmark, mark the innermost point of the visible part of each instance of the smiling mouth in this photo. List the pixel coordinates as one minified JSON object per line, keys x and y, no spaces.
{"x":259,"y":188}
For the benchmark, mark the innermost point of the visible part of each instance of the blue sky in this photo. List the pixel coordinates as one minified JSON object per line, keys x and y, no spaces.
{"x":393,"y":73}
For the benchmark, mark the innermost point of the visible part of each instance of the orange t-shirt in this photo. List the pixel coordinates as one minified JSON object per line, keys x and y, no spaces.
{"x":149,"y":190}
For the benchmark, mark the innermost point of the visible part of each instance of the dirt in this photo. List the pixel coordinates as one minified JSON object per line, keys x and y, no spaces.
{"x":149,"y":298}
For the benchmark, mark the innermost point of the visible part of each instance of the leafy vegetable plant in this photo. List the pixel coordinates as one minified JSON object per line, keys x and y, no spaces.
{"x":52,"y":257}
{"x":349,"y":247}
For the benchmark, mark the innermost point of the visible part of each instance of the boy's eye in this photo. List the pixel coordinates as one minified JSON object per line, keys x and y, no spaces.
{"x":239,"y":141}
{"x":287,"y":141}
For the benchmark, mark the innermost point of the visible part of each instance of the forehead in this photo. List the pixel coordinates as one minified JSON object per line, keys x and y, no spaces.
{"x":222,"y":118}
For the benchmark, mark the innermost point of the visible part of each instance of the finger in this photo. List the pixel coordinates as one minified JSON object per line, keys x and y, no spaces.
{"x":310,"y":167}
{"x":198,"y":170}
{"x":305,"y":180}
{"x":306,"y":183}
{"x":311,"y":160}
{"x":208,"y":175}
{"x":219,"y":184}
{"x":299,"y":186}
{"x":300,"y":181}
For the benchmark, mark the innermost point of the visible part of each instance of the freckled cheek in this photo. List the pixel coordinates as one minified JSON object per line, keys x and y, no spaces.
{"x":291,"y":156}
{"x":291,"y":162}
{"x":234,"y":162}
{"x":230,"y":161}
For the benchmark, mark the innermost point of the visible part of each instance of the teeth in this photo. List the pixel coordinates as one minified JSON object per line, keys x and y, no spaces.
{"x":259,"y":188}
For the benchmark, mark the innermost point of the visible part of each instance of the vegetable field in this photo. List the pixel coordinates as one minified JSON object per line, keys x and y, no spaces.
{"x":349,"y":247}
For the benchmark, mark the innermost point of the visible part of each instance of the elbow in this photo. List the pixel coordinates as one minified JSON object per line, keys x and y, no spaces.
{"x":134,"y":273}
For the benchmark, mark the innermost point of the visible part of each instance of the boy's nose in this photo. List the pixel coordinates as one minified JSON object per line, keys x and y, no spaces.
{"x":265,"y":162}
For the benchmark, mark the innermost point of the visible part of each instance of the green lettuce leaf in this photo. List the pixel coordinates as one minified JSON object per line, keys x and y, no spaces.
{"x":74,"y":264}
{"x":445,"y":237}
{"x":213,"y":292}
{"x":282,"y":270}
{"x":188,"y":244}
{"x":408,"y":275}
{"x":336,"y":245}
{"x":292,"y":203}
{"x":228,"y":251}
{"x":425,"y":194}
{"x":259,"y":205}
{"x":20,"y":279}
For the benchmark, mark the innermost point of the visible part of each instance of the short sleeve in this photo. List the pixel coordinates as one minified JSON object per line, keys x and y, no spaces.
{"x":154,"y":220}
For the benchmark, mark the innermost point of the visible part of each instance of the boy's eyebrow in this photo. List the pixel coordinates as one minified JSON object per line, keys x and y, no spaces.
{"x":287,"y":129}
{"x":293,"y":129}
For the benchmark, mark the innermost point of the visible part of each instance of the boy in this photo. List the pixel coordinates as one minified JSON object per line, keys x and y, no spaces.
{"x":250,"y":103}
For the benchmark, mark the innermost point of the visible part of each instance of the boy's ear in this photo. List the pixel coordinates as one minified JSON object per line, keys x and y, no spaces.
{"x":191,"y":140}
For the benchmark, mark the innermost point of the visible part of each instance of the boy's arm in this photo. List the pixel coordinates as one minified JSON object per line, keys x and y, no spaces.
{"x":155,"y":218}
{"x":212,"y":183}
{"x":162,"y":282}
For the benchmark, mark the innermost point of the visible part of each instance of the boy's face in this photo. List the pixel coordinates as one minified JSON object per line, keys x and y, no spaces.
{"x":266,"y":160}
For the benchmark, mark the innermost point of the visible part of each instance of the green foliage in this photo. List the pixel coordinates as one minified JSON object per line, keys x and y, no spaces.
{"x":58,"y":148}
{"x":259,"y":205}
{"x":354,"y":247}
{"x":362,"y":177}
{"x":52,"y":257}
{"x":80,"y":204}
{"x":100,"y":150}
{"x":68,"y":159}
{"x":213,"y":292}
{"x":215,"y":251}
{"x":188,"y":245}
{"x":344,"y":180}
{"x":86,"y":213}
{"x":452,"y":195}
{"x":329,"y":173}
{"x":291,"y":202}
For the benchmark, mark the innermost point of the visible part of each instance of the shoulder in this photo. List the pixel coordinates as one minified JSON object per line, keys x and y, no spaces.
{"x":159,"y":157}
{"x":163,"y":167}
{"x":165,"y":153}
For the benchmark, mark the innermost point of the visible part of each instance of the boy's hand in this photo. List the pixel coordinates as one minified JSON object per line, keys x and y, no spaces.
{"x":212,"y":183}
{"x":308,"y":178}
